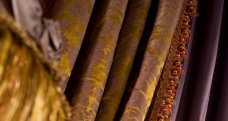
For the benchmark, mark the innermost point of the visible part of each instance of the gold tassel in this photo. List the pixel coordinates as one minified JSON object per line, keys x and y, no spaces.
{"x":28,"y":89}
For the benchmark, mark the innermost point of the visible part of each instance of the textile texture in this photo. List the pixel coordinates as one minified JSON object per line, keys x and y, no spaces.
{"x":124,"y":60}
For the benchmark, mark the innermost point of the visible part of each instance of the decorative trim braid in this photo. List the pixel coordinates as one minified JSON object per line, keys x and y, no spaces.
{"x":173,"y":69}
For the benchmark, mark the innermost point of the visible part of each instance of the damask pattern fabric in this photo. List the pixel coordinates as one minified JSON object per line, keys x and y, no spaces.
{"x":128,"y":41}
{"x":115,"y":56}
{"x":153,"y":61}
{"x":107,"y":54}
{"x":86,"y":87}
{"x":73,"y":16}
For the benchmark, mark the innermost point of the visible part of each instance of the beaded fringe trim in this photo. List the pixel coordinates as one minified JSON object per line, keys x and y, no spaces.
{"x":173,"y":69}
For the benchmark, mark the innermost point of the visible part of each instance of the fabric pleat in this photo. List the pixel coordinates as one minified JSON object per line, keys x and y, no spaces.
{"x":123,"y":60}
{"x":153,"y":62}
{"x":125,"y":51}
{"x":194,"y":101}
{"x":88,"y":79}
{"x":217,"y":108}
{"x":73,"y":16}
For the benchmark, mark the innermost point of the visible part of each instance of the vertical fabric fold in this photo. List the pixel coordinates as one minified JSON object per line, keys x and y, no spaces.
{"x":153,"y":62}
{"x":218,"y":103}
{"x":88,"y":79}
{"x":73,"y":16}
{"x":193,"y":107}
{"x":130,"y":35}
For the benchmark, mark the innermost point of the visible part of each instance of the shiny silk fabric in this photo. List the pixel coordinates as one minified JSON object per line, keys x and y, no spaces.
{"x":129,"y":38}
{"x":153,"y":60}
{"x":103,"y":51}
{"x":125,"y":60}
{"x":73,"y":16}
{"x":114,"y":52}
{"x":86,"y":86}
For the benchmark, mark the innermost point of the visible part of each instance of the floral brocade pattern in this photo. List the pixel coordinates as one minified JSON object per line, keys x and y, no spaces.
{"x":173,"y":69}
{"x":87,"y":88}
{"x":73,"y":16}
{"x":128,"y":41}
{"x":154,"y":58}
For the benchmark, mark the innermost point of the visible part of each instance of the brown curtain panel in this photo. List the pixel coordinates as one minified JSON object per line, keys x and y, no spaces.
{"x":114,"y":53}
{"x":121,"y":59}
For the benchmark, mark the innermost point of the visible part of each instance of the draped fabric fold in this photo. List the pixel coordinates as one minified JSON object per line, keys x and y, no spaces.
{"x":153,"y":61}
{"x":87,"y":83}
{"x":205,"y":37}
{"x":123,"y":59}
{"x":217,"y":106}
{"x":129,"y":38}
{"x":73,"y":17}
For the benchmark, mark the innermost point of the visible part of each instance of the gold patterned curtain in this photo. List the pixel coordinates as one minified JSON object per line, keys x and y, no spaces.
{"x":115,"y":53}
{"x":106,"y":83}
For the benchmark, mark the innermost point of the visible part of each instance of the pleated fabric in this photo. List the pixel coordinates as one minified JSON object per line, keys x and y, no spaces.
{"x":123,"y":60}
{"x":129,"y":38}
{"x":153,"y":60}
{"x":197,"y":88}
{"x":217,"y":107}
{"x":86,"y":86}
{"x":73,"y":16}
{"x":113,"y":54}
{"x":108,"y":52}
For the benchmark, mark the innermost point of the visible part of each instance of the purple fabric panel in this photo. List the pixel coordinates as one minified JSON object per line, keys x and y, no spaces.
{"x":222,"y":111}
{"x":205,"y":37}
{"x":218,"y":105}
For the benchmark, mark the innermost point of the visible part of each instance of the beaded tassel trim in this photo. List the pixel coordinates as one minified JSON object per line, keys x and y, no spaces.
{"x":173,"y":69}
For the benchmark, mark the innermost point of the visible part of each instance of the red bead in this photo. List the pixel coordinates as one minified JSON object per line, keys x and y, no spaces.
{"x":165,"y":111}
{"x":169,"y":106}
{"x":185,"y":25}
{"x":169,"y":91}
{"x":178,"y":55}
{"x":174,"y":73}
{"x":179,"y":68}
{"x":170,"y":87}
{"x":182,"y":39}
